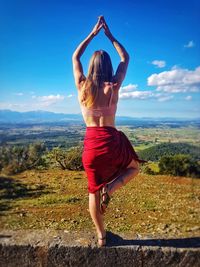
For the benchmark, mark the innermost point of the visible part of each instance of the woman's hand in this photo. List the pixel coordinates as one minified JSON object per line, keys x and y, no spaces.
{"x":98,"y":26}
{"x":106,"y":28}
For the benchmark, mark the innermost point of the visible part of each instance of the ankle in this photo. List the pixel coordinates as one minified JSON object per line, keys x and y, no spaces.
{"x":102,"y":242}
{"x":101,"y":235}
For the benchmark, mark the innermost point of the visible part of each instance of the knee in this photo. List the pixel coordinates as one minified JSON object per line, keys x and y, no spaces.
{"x":137,"y":169}
{"x":137,"y":172}
{"x":93,"y":201}
{"x":135,"y":166}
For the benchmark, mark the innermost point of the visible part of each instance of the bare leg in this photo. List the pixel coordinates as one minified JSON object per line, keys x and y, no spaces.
{"x":131,"y":171}
{"x":97,"y":217}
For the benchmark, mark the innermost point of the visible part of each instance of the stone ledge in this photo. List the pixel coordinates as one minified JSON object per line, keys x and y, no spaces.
{"x":61,"y":248}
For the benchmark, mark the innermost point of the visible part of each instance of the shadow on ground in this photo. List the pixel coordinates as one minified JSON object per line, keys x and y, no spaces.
{"x":11,"y":189}
{"x":116,"y":240}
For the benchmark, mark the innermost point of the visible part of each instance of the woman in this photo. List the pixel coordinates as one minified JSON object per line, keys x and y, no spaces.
{"x":108,"y":156}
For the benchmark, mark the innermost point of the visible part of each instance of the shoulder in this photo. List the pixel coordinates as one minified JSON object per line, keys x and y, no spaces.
{"x":81,"y":83}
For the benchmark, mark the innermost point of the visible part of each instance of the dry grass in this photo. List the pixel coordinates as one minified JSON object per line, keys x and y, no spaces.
{"x":155,"y":205}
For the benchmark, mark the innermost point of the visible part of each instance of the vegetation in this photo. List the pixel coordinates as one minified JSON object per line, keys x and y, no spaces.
{"x":169,"y":149}
{"x":19,"y":158}
{"x":49,"y":189}
{"x":67,"y":159}
{"x":179,"y":165}
{"x":156,"y":205}
{"x":15,"y":159}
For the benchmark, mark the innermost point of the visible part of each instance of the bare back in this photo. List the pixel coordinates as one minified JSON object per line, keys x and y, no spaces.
{"x":102,"y":101}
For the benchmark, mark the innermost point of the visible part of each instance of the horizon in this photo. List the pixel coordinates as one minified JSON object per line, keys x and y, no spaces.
{"x":162,"y":39}
{"x":117,"y":116}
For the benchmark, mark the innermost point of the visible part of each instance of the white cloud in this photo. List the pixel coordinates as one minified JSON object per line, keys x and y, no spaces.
{"x":159,"y":63}
{"x":5,"y":105}
{"x":190,"y":44}
{"x":163,"y":98}
{"x":48,"y":100}
{"x":136,"y":95}
{"x":129,"y":91}
{"x":142,"y":95}
{"x":176,"y":80}
{"x":69,"y":96}
{"x":189,"y":97}
{"x":129,"y":87}
{"x":19,"y":94}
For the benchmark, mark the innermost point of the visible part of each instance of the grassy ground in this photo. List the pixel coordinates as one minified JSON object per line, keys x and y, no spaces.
{"x":56,"y":199}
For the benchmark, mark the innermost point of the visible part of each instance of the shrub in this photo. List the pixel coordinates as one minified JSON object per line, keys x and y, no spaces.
{"x":15,"y":159}
{"x":67,"y":159}
{"x":179,"y":165}
{"x":146,"y":169}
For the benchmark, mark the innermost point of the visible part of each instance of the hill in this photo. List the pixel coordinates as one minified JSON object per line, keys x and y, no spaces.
{"x":157,"y":205}
{"x":9,"y":116}
{"x":156,"y":152}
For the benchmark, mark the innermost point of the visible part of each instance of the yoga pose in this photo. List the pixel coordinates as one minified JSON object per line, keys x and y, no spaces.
{"x":108,"y":157}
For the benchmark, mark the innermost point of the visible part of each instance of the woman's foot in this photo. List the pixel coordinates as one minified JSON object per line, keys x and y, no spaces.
{"x":102,"y":241}
{"x":104,"y":198}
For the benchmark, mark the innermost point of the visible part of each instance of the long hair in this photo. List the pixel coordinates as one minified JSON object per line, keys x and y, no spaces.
{"x":100,"y":70}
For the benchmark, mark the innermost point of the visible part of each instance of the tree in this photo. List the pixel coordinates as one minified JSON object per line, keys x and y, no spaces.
{"x":67,"y":159}
{"x":179,"y":165}
{"x":14,"y":159}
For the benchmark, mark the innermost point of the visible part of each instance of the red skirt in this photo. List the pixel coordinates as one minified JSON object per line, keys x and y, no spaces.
{"x":107,"y":153}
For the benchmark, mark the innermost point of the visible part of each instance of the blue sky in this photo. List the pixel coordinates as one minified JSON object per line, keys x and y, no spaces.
{"x":37,"y":39}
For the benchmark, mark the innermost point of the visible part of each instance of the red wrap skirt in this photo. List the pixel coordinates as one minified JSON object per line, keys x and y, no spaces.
{"x":107,"y":153}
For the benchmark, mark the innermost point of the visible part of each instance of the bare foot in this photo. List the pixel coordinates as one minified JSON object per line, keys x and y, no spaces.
{"x":102,"y":241}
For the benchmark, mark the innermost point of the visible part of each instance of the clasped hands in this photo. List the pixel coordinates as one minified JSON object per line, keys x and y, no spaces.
{"x":101,"y":23}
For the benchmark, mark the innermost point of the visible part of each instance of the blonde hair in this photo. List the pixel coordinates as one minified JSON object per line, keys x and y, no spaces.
{"x":100,"y":70}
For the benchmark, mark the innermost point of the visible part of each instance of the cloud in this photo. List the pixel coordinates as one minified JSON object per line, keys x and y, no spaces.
{"x":159,"y":63}
{"x":176,"y":80}
{"x":129,"y":87}
{"x":19,"y":94}
{"x":128,"y":92}
{"x":6,"y":105}
{"x":49,"y":100}
{"x":189,"y":97}
{"x":163,"y":98}
{"x":136,"y":95}
{"x":69,"y":96}
{"x":190,"y":44}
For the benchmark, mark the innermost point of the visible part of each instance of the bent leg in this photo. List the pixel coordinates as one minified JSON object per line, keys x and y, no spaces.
{"x":97,"y":217}
{"x":131,"y":171}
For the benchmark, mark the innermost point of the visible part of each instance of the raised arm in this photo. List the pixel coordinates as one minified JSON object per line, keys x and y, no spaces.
{"x":122,"y":67}
{"x":77,"y":66}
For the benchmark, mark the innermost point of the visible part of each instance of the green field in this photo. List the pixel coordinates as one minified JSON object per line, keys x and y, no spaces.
{"x":143,"y":138}
{"x":68,"y":136}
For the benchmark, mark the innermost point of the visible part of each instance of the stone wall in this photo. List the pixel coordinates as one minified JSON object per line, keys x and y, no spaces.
{"x":61,"y":249}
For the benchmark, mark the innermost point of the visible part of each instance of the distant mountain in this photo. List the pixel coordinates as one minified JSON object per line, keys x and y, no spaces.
{"x":9,"y":116}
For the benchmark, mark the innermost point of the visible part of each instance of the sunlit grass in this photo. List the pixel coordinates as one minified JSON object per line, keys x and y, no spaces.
{"x":58,"y":199}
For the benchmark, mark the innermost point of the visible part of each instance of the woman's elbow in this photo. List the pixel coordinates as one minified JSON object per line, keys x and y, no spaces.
{"x":126,"y":58}
{"x":74,"y":56}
